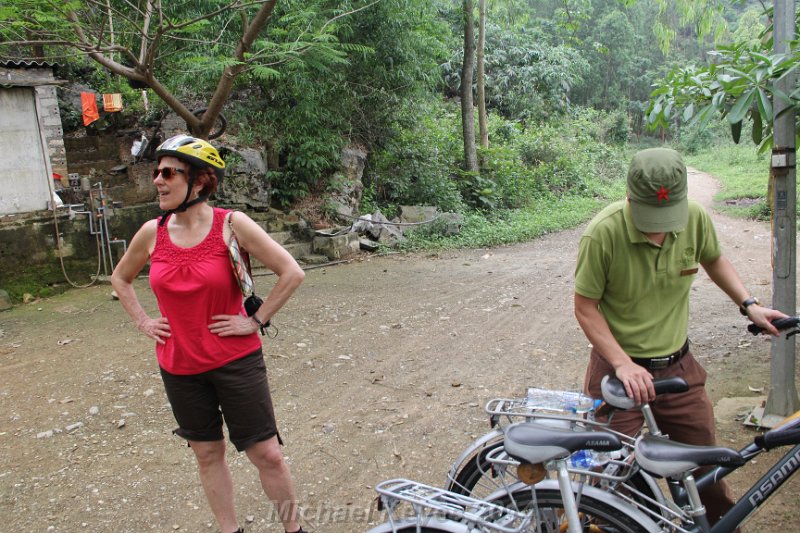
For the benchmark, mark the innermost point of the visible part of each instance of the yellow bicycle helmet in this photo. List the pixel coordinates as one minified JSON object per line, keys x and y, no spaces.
{"x":199,"y":154}
{"x":194,"y":151}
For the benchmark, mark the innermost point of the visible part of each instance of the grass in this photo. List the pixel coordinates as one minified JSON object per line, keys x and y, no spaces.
{"x":743,"y":175}
{"x":513,"y":226}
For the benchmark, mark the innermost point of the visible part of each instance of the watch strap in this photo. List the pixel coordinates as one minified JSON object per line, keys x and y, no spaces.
{"x":747,"y":303}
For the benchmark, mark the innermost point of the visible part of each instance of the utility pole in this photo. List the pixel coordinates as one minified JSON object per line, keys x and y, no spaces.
{"x":783,"y":400}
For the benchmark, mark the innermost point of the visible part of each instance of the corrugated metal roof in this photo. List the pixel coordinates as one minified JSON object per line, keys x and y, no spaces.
{"x":20,"y":63}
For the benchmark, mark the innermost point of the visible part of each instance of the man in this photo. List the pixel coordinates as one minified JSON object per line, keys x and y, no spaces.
{"x":636,"y":263}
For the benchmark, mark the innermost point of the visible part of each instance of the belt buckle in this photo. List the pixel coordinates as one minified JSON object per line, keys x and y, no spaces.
{"x":658,"y":363}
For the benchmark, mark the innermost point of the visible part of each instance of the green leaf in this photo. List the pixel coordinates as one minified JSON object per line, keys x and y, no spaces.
{"x":702,"y":118}
{"x":740,"y":108}
{"x":688,"y":112}
{"x":764,"y":105}
{"x":757,"y":133}
{"x":736,"y":131}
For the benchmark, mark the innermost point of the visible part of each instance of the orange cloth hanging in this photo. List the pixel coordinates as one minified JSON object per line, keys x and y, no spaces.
{"x":89,"y":106}
{"x":112,"y":102}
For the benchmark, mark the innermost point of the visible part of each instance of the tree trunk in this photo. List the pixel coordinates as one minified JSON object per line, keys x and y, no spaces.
{"x":467,"y":107}
{"x":482,"y":119}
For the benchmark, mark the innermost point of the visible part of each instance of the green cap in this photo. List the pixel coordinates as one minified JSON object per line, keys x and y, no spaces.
{"x":657,"y":191}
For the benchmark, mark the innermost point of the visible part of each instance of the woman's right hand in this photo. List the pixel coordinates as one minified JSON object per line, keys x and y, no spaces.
{"x":155,"y":328}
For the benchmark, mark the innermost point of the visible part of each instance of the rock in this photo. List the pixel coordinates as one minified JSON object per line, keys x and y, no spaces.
{"x":45,"y":434}
{"x":314,"y":259}
{"x":418,"y":213}
{"x":384,"y":231}
{"x":149,"y":392}
{"x":72,"y":427}
{"x":348,"y":188}
{"x":337,"y":246}
{"x":363,"y":224}
{"x":367,"y":244}
{"x":5,"y":300}
{"x":28,"y":298}
{"x":94,"y":410}
{"x":245,"y":180}
{"x":452,"y":222}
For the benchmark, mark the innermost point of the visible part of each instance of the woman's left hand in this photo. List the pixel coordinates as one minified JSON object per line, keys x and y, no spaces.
{"x":227,"y":325}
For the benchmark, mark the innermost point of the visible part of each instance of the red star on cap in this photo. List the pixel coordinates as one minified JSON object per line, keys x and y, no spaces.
{"x":663,"y":194}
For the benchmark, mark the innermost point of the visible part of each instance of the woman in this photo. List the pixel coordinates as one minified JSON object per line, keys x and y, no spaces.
{"x":207,"y":347}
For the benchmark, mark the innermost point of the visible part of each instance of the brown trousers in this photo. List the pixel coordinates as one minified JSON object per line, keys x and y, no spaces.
{"x":687,"y":417}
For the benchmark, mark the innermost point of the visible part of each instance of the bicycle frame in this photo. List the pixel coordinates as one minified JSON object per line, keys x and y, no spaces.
{"x":780,"y":472}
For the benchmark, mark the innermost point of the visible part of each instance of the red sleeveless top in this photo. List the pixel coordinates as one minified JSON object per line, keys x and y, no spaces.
{"x":192,"y":285}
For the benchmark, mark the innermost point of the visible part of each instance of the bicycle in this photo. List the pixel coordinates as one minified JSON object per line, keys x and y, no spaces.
{"x":482,"y":468}
{"x":655,"y":455}
{"x":566,"y":505}
{"x":507,"y":508}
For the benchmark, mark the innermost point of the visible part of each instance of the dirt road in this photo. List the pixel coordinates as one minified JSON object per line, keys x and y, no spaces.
{"x":381,"y":369}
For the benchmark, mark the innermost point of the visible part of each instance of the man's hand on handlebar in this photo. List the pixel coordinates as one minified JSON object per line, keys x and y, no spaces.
{"x":783,"y":324}
{"x":763,"y":318}
{"x":638,"y":382}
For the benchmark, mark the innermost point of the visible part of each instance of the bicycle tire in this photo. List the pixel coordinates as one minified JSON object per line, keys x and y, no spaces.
{"x":472,"y":478}
{"x":596,"y":516}
{"x":221,"y":123}
{"x":477,"y":479}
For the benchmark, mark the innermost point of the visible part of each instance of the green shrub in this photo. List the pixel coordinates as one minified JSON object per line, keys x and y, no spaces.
{"x":419,"y":163}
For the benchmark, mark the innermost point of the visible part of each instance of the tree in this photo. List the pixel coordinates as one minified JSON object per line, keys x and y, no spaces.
{"x":481,"y":93}
{"x":145,"y":42}
{"x":467,"y":106}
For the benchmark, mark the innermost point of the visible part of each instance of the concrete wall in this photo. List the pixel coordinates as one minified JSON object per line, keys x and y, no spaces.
{"x":28,"y":246}
{"x":31,"y":137}
{"x":24,"y":173}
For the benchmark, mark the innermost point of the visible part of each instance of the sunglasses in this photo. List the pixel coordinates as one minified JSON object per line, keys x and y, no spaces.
{"x":167,"y":172}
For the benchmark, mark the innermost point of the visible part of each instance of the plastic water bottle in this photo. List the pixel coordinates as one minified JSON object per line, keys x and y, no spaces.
{"x":588,"y":458}
{"x":554,"y":400}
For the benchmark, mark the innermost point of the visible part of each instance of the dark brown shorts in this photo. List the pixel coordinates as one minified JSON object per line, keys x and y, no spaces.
{"x":237,"y":391}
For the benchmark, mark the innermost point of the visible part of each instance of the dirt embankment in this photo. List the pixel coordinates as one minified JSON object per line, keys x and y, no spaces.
{"x":380,"y":370}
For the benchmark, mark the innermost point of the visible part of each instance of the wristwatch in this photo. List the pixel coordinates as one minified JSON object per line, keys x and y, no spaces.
{"x":747,"y":303}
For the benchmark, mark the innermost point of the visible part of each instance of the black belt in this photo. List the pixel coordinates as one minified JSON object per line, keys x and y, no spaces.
{"x":657,"y":363}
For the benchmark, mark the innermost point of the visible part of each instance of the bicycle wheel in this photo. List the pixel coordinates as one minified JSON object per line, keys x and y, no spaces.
{"x":595,"y":515}
{"x":477,"y":476}
{"x":220,"y":124}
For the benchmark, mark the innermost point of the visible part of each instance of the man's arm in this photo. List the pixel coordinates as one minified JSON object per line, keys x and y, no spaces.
{"x":724,"y":275}
{"x":637,"y":380}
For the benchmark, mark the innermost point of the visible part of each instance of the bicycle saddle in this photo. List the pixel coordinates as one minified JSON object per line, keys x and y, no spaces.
{"x":663,"y":457}
{"x":614,"y":394}
{"x":535,"y":443}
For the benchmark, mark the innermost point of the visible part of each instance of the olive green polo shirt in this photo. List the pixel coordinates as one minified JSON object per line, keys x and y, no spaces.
{"x":643,"y":288}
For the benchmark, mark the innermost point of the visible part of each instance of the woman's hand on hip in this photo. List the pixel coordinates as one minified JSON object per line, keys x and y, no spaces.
{"x":156,"y":328}
{"x":227,"y":325}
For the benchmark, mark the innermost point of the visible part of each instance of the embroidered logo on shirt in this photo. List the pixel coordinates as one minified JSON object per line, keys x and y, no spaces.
{"x":663,"y":194}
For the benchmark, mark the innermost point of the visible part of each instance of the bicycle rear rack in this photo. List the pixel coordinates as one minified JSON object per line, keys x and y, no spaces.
{"x":431,"y":503}
{"x":512,"y":410}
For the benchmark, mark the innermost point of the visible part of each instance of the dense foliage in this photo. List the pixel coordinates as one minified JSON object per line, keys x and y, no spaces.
{"x":567,"y":85}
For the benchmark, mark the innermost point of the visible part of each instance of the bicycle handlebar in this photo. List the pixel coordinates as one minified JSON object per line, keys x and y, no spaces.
{"x":779,"y":323}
